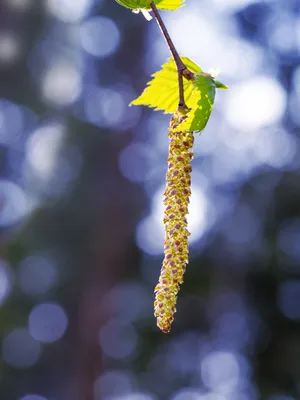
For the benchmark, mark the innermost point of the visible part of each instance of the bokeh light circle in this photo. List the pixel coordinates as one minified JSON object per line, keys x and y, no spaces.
{"x":61,"y":84}
{"x":47,"y":322}
{"x":20,"y":349}
{"x":14,"y":203}
{"x":37,"y":275}
{"x":69,"y":11}
{"x":113,"y":383}
{"x":99,"y":36}
{"x":118,"y":340}
{"x":256,"y":103}
{"x":220,"y":371}
{"x":6,"y":280}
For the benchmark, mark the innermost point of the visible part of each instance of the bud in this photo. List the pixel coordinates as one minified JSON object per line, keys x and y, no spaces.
{"x":145,"y":13}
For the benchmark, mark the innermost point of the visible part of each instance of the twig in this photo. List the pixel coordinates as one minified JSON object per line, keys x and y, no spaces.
{"x":180,"y":65}
{"x":181,"y":68}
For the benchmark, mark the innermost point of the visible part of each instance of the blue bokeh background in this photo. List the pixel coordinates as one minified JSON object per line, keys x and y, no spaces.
{"x":81,"y":189}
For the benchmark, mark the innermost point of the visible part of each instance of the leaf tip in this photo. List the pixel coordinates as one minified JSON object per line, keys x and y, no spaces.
{"x":133,"y":103}
{"x":220,"y":85}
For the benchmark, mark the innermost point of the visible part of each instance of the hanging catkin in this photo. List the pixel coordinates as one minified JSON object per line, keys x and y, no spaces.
{"x":177,"y":195}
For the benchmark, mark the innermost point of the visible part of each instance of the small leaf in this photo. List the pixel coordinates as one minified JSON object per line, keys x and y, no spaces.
{"x":145,"y":4}
{"x":220,"y":85}
{"x":162,"y":92}
{"x":135,"y":4}
{"x":201,"y":104}
{"x":169,"y":4}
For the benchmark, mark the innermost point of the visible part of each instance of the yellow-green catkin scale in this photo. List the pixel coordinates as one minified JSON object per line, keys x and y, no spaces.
{"x":177,"y":195}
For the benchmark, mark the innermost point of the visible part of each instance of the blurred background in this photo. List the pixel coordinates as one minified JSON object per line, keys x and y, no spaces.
{"x":81,"y":188}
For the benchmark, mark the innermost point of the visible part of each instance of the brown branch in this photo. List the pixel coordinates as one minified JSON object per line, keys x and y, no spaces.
{"x":181,"y":68}
{"x":180,"y":65}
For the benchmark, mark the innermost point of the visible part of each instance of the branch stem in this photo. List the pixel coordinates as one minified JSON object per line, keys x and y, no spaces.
{"x":180,"y":65}
{"x":181,"y":68}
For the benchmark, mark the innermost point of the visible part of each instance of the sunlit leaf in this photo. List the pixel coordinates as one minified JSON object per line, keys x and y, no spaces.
{"x":145,"y":4}
{"x":169,"y":4}
{"x":135,"y":4}
{"x":162,"y":91}
{"x":162,"y":94}
{"x":201,"y":103}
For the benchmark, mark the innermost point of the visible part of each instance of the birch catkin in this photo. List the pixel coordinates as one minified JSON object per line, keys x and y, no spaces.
{"x":177,"y":194}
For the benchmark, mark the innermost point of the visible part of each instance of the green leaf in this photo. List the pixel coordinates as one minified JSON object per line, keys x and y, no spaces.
{"x":162,"y":92}
{"x":169,"y":4}
{"x":145,"y":4}
{"x":220,"y":85}
{"x":135,"y":4}
{"x":200,"y":103}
